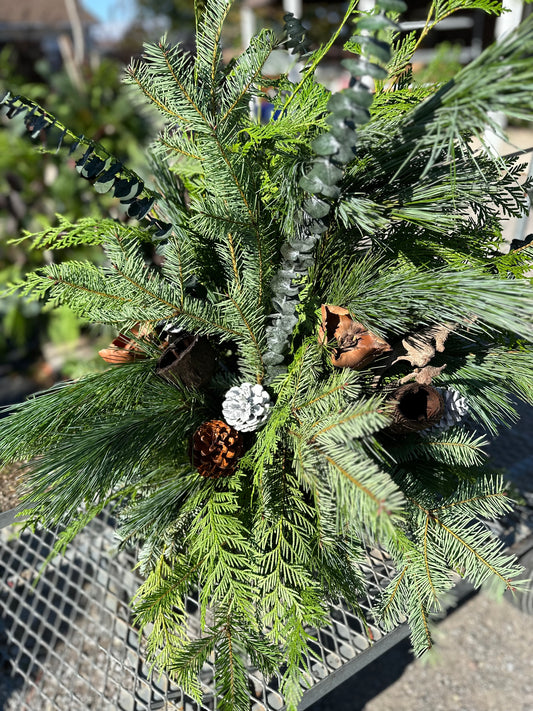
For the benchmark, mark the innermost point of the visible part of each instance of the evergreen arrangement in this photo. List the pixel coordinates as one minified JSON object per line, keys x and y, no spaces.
{"x":318,"y":325}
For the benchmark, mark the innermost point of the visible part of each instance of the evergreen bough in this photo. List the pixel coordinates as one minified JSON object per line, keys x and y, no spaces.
{"x":354,"y":219}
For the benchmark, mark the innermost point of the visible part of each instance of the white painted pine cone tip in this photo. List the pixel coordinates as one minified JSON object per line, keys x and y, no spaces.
{"x":456,"y":408}
{"x":246,"y":407}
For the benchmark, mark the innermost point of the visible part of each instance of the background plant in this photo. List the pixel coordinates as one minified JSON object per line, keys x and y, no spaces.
{"x":35,"y":187}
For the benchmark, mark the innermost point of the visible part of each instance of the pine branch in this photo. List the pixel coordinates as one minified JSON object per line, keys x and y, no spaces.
{"x":382,"y":297}
{"x":46,"y":417}
{"x":505,"y":372}
{"x":103,"y":454}
{"x":494,"y":81}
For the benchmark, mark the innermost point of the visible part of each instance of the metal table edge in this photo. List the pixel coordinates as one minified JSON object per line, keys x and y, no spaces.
{"x":342,"y":674}
{"x":11,"y":516}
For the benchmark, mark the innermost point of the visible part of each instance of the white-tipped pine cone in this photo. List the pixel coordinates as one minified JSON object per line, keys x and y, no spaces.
{"x":246,"y":407}
{"x":455,"y":406}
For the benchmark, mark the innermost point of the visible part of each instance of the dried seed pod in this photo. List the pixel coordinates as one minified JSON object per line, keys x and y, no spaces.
{"x":216,"y":449}
{"x":417,"y":407}
{"x":190,"y":358}
{"x":123,"y":349}
{"x":356,"y":347}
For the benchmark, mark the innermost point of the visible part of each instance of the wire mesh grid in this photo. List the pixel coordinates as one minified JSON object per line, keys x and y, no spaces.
{"x":67,"y":641}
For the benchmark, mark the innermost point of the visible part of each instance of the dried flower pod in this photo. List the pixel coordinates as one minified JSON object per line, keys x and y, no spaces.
{"x":123,"y":349}
{"x":216,"y":449}
{"x":418,"y":407}
{"x":190,"y":358}
{"x":357,"y":347}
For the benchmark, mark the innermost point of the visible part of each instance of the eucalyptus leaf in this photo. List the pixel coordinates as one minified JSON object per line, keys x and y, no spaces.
{"x":342,"y":131}
{"x":316,"y":208}
{"x":375,"y":48}
{"x":360,"y":96}
{"x":393,"y":5}
{"x":374,"y":23}
{"x":325,"y":171}
{"x":325,"y":144}
{"x":315,"y":186}
{"x":362,"y":67}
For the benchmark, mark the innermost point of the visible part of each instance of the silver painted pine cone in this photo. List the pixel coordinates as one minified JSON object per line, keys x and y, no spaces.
{"x":246,"y":407}
{"x":455,"y":409}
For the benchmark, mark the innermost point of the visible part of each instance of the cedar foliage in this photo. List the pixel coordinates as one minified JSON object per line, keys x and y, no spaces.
{"x":374,"y":200}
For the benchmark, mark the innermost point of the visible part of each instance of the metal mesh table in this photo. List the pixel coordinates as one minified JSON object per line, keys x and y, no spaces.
{"x":67,"y":641}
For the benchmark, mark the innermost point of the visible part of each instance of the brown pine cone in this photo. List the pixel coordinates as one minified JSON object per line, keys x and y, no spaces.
{"x":417,"y":407}
{"x":216,"y":449}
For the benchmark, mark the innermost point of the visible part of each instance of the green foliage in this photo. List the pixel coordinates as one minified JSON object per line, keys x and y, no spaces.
{"x":397,"y":223}
{"x":394,"y":298}
{"x":35,"y":187}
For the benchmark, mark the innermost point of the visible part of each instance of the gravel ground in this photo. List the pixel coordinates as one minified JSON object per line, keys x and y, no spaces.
{"x":482,"y":661}
{"x":9,"y":477}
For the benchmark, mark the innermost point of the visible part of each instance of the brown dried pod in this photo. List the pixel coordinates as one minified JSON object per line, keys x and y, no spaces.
{"x":417,"y":407}
{"x":356,"y":347}
{"x":216,"y":449}
{"x":422,"y":346}
{"x":123,"y":349}
{"x":190,"y":358}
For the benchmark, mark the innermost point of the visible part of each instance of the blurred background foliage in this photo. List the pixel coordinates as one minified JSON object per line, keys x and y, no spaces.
{"x":34,"y":186}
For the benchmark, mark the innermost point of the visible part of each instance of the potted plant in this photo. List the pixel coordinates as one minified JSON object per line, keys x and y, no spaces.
{"x":317,"y":327}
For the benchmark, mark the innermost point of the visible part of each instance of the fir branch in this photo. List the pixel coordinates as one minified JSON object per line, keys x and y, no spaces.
{"x":86,"y":231}
{"x":487,"y":498}
{"x":455,"y":447}
{"x":249,"y":321}
{"x":208,"y":53}
{"x":365,"y":495}
{"x":479,"y":555}
{"x":245,"y":74}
